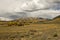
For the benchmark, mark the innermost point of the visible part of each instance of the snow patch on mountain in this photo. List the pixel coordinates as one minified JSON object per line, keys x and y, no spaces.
{"x":5,"y":19}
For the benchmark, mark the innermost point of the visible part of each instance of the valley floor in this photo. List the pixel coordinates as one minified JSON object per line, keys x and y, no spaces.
{"x":31,"y":32}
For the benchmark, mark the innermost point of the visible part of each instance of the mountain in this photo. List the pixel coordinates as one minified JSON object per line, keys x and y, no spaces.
{"x":46,"y":14}
{"x":29,"y":8}
{"x":28,"y":21}
{"x":57,"y":19}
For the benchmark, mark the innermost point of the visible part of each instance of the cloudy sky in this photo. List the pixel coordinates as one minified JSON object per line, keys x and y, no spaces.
{"x":12,"y":9}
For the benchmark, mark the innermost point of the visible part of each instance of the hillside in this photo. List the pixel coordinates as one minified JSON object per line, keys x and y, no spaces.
{"x":56,"y":19}
{"x":30,"y":29}
{"x":28,"y":21}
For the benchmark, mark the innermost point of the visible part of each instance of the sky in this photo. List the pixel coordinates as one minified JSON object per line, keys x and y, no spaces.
{"x":13,"y":9}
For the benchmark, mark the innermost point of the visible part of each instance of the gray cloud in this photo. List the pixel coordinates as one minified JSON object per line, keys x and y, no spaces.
{"x":12,"y":9}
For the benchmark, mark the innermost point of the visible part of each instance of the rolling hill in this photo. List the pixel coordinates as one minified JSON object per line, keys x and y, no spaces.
{"x":30,"y":29}
{"x":28,"y":21}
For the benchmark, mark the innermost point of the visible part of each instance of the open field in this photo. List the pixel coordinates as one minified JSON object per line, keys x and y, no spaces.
{"x":31,"y":30}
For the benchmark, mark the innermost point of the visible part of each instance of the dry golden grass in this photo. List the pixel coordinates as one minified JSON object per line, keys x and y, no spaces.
{"x":29,"y":23}
{"x":30,"y":29}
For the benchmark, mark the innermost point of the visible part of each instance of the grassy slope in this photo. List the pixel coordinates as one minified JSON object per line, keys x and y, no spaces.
{"x":29,"y":24}
{"x":30,"y":29}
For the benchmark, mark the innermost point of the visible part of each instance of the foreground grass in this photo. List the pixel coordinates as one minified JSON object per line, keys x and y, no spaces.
{"x":30,"y":29}
{"x":31,"y":32}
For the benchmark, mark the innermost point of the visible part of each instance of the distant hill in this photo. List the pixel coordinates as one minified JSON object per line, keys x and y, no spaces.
{"x":28,"y":21}
{"x":56,"y":20}
{"x":57,"y":17}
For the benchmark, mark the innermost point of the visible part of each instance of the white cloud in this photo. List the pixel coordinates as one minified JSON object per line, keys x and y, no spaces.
{"x":33,"y":7}
{"x":18,"y":5}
